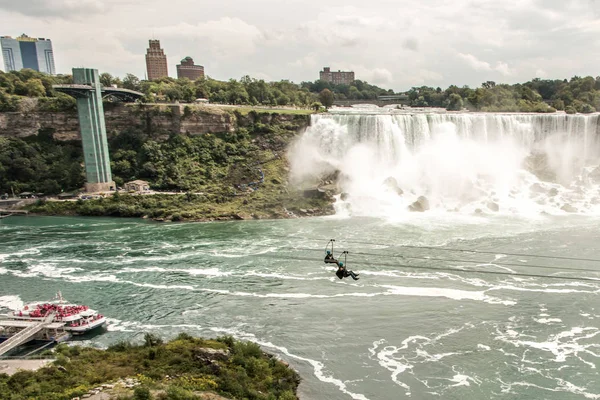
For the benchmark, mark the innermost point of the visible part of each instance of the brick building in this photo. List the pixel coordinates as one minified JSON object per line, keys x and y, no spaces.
{"x":156,"y":61}
{"x":337,"y":78}
{"x":187,"y":69}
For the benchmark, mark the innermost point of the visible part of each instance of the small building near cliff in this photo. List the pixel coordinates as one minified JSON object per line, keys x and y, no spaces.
{"x":137,"y":186}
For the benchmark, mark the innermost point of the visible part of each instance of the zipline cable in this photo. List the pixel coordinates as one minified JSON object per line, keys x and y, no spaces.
{"x":444,"y":249}
{"x":408,"y":257}
{"x":417,"y":267}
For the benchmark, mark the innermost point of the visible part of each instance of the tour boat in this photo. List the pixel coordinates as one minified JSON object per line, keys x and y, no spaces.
{"x":77,"y":319}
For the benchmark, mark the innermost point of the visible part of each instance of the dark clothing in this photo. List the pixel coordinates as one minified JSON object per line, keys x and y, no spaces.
{"x":330,"y":260}
{"x":344,"y":273}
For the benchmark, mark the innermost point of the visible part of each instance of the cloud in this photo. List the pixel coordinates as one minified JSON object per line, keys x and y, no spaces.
{"x":308,"y":61}
{"x":411,"y":44}
{"x":479,"y":65}
{"x":380,"y":76}
{"x":55,"y":8}
{"x":225,"y":38}
{"x":475,"y":63}
{"x":396,"y":44}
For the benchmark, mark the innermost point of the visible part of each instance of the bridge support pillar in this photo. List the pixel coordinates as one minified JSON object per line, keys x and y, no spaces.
{"x":93,"y":132}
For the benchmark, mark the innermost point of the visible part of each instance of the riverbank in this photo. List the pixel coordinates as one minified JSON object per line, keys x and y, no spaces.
{"x":191,"y":207}
{"x":184,"y":368}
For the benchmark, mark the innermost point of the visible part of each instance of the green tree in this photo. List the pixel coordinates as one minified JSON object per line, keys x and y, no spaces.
{"x":131,"y":82}
{"x":455,"y":102}
{"x":326,"y":98}
{"x":106,"y":79}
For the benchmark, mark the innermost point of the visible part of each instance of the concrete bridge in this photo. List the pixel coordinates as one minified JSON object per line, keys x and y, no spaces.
{"x":380,"y":101}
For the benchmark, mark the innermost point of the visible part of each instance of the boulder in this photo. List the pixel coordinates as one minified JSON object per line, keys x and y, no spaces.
{"x":493,"y":206}
{"x":421,"y":205}
{"x":553,"y":192}
{"x":569,"y":208}
{"x":537,"y":163}
{"x":478,"y":211}
{"x":344,"y":196}
{"x":392,"y":183}
{"x":595,"y":175}
{"x":537,"y":188}
{"x":210,"y":355}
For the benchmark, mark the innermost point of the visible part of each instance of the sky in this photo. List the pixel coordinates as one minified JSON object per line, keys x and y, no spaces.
{"x":394,"y":44}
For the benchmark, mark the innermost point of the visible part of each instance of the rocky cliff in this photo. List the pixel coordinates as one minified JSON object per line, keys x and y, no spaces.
{"x":153,"y":119}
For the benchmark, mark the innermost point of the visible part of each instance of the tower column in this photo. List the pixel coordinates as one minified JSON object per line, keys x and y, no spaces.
{"x":93,"y":132}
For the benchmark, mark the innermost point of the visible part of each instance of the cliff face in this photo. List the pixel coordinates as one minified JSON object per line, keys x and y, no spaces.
{"x":155,"y":120}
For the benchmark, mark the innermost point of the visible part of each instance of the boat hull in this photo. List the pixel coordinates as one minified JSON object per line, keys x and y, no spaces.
{"x":81,"y":330}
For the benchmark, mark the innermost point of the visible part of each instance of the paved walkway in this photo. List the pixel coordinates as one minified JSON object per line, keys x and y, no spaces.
{"x":12,"y":366}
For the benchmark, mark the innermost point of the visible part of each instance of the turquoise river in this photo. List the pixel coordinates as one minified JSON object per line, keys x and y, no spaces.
{"x":401,"y":331}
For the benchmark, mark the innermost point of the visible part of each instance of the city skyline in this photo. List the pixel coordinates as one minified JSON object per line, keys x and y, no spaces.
{"x":394,"y":45}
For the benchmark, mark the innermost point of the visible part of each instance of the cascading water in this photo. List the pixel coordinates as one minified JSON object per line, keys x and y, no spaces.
{"x":468,"y":163}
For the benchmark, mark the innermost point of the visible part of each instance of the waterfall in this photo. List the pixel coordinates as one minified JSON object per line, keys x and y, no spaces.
{"x":456,"y":162}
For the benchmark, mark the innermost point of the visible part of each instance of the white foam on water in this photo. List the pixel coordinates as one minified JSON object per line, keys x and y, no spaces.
{"x":541,"y":290}
{"x":3,"y":271}
{"x":46,"y":269}
{"x":563,"y":386}
{"x":208,"y":272}
{"x":562,"y":345}
{"x":386,"y":358}
{"x":284,"y":276}
{"x":116,"y":325}
{"x":461,"y":380}
{"x":318,"y":367}
{"x":547,"y":320}
{"x":11,"y":302}
{"x":483,"y":347}
{"x":454,"y":294}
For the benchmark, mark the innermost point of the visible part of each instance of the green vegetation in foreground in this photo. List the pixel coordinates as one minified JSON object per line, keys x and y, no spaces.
{"x":234,"y":369}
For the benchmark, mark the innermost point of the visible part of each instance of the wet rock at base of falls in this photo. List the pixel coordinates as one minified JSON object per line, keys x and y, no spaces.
{"x":478,"y":211}
{"x":595,"y":175}
{"x":537,"y":164}
{"x":421,"y":205}
{"x":344,"y":196}
{"x":553,"y":192}
{"x":392,"y":183}
{"x":493,"y":206}
{"x":569,"y":208}
{"x":537,"y":188}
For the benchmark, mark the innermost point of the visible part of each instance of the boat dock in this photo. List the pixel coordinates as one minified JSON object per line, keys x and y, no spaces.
{"x":21,"y":332}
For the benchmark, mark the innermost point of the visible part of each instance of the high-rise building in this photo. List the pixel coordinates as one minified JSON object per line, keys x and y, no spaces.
{"x":337,"y":78}
{"x":156,"y":61}
{"x":187,"y":69}
{"x":27,"y":52}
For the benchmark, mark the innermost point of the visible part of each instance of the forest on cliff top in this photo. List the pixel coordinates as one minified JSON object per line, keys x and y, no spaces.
{"x":576,"y":95}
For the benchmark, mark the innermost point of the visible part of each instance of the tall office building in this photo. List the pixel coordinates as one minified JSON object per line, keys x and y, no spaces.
{"x":156,"y":61}
{"x":187,"y":69}
{"x":27,"y":52}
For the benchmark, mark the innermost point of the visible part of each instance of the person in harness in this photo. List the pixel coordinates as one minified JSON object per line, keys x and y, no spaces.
{"x":342,"y":272}
{"x":329,"y":259}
